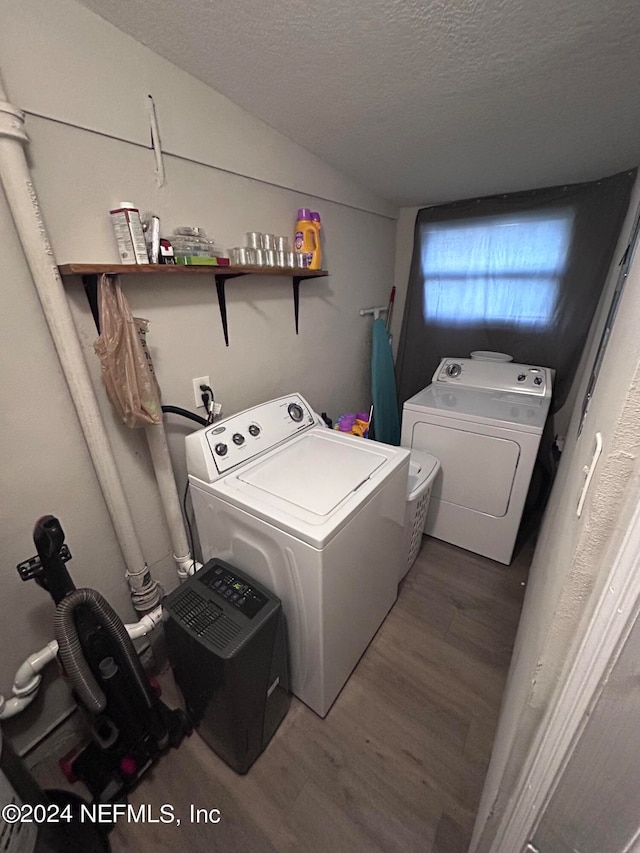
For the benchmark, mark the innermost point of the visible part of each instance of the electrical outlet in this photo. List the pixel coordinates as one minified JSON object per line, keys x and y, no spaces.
{"x":197,"y":393}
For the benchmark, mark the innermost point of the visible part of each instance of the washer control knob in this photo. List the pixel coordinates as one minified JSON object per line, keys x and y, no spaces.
{"x":537,"y":380}
{"x":295,"y":412}
{"x":453,"y":370}
{"x":221,"y":449}
{"x":522,"y":377}
{"x":254,"y":430}
{"x":237,"y":438}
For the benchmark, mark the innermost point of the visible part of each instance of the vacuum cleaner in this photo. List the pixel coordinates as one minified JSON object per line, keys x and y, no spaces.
{"x":130,"y":726}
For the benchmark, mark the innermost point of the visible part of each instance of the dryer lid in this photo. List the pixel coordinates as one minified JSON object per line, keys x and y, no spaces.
{"x":501,"y":408}
{"x":315,"y":473}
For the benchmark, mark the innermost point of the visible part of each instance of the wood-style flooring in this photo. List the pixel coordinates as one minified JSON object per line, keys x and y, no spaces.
{"x":398,"y":763}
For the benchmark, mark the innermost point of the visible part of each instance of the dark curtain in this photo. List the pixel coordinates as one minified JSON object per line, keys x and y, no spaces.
{"x":592,"y":213}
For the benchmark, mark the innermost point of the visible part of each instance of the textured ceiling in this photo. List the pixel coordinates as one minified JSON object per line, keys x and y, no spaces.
{"x":420,"y":101}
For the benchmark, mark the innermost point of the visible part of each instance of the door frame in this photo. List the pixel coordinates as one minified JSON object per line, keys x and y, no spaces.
{"x":594,"y":654}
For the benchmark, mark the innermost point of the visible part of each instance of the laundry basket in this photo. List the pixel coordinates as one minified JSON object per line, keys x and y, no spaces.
{"x":423,"y":469}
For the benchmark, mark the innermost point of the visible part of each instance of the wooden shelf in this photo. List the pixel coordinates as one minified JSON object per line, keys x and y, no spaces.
{"x":176,"y":269}
{"x":90,"y":273}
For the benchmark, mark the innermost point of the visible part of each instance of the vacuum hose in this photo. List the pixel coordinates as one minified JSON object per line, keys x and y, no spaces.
{"x":71,"y":654}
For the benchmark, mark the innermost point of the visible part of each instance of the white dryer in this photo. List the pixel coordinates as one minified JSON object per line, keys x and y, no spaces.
{"x":483,"y":420}
{"x":317,"y":517}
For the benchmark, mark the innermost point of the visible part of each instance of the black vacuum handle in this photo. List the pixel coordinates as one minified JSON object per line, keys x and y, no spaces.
{"x":48,"y":537}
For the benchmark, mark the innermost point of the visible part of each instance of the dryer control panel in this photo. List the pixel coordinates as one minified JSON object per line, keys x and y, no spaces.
{"x":495,"y":376}
{"x":216,"y":449}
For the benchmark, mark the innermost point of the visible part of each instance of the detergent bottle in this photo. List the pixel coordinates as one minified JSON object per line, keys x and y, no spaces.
{"x":316,"y":263}
{"x":307,"y":238}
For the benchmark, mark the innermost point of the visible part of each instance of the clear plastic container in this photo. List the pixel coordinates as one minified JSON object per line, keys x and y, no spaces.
{"x":189,"y":231}
{"x":198,"y":246}
{"x":241,"y":256}
{"x":255,"y":240}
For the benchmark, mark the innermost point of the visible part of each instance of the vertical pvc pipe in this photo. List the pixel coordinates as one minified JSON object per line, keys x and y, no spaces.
{"x":157,"y":441}
{"x":23,"y":203}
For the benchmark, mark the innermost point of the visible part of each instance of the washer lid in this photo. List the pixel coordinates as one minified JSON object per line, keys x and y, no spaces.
{"x":314,"y":484}
{"x":502,"y":408}
{"x":315,"y":474}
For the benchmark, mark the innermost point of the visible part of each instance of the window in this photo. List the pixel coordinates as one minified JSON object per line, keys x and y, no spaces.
{"x":497,"y":270}
{"x":519,"y":273}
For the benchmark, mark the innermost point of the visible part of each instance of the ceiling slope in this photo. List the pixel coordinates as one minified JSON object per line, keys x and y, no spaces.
{"x":420,"y":102}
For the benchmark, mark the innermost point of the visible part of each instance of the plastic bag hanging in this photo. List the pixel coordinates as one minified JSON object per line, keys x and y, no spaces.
{"x":127,"y":369}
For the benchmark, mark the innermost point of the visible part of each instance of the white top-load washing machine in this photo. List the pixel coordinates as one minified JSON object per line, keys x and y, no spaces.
{"x":483,"y":420}
{"x":317,"y":517}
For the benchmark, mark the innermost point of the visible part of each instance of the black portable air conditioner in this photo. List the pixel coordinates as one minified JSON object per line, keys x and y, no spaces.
{"x":226,"y":641}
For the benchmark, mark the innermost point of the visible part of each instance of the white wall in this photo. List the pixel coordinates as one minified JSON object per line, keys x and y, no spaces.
{"x":573,"y":555}
{"x":84,"y":86}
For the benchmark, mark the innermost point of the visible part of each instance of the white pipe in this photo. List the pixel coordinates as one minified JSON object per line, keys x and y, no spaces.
{"x":188,"y":567}
{"x":27,"y":679}
{"x":161,"y":459}
{"x":23,"y":202}
{"x":146,"y":624}
{"x":13,"y":706}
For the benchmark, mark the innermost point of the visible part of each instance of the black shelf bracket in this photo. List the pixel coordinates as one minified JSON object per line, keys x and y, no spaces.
{"x":296,"y":295}
{"x":221,"y":279}
{"x":90,"y":283}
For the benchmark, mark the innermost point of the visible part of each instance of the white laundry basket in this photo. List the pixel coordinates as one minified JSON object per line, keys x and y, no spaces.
{"x":423,"y":469}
